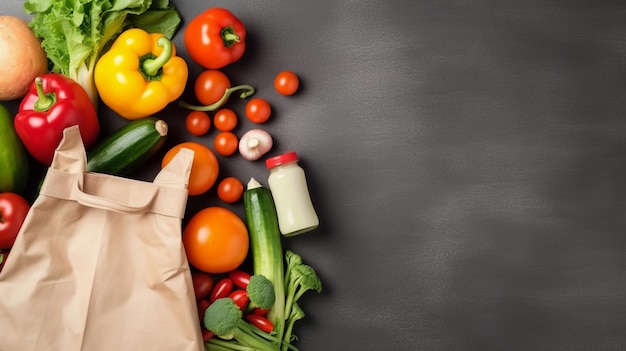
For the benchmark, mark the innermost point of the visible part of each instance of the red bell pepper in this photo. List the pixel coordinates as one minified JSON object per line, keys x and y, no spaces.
{"x":215,"y":38}
{"x":53,"y":103}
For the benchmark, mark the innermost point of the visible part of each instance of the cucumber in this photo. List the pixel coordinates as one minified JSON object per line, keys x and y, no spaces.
{"x":128,"y":147}
{"x":265,"y":244}
{"x":13,"y":156}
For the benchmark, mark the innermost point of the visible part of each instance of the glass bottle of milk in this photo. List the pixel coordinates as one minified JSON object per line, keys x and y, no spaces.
{"x":288,"y":185}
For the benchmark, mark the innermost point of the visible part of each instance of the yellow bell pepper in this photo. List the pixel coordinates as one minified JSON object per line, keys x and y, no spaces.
{"x":140,"y":74}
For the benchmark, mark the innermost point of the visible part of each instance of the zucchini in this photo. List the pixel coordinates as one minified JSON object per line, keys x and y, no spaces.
{"x":128,"y":147}
{"x":266,"y":245}
{"x":13,"y":156}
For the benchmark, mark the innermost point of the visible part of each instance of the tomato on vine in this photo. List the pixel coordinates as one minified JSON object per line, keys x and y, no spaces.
{"x":225,"y":119}
{"x":210,"y":86}
{"x":213,"y":89}
{"x":198,"y":123}
{"x":226,"y":143}
{"x":258,"y":110}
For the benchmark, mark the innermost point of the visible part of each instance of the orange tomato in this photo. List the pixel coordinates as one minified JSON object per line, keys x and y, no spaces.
{"x":286,"y":83}
{"x":216,"y":240}
{"x":258,"y":110}
{"x":226,"y":143}
{"x":204,"y":169}
{"x":225,"y":119}
{"x":210,"y":86}
{"x":230,"y":190}
{"x":198,"y":123}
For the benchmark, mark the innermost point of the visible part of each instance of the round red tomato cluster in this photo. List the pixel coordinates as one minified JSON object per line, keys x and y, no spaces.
{"x":233,"y":284}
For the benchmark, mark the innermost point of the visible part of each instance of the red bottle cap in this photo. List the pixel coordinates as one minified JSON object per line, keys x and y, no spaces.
{"x":281,"y":159}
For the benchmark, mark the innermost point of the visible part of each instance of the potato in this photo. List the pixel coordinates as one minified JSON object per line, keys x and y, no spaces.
{"x":22,"y":58}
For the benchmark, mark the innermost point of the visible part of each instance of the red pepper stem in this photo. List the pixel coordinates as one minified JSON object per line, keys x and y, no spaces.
{"x":248,"y":90}
{"x":44,"y":101}
{"x":229,"y":36}
{"x":151,"y":67}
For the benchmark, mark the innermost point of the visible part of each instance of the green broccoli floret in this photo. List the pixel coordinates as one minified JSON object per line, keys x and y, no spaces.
{"x":223,"y":318}
{"x":292,"y":259}
{"x":260,"y":292}
{"x":299,"y":278}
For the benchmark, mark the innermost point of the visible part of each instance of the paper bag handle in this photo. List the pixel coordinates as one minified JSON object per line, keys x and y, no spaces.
{"x":108,"y":204}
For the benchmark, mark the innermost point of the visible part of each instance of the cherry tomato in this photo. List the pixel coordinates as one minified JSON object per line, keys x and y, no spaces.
{"x":240,"y":298}
{"x":225,"y":119}
{"x":216,"y":240}
{"x":13,"y":210}
{"x":230,"y":190}
{"x":198,"y":123}
{"x":210,"y":86}
{"x":260,"y":322}
{"x":206,"y":334}
{"x":222,"y":289}
{"x":226,"y":143}
{"x":286,"y":83}
{"x":260,"y":311}
{"x":258,"y":110}
{"x":204,"y":169}
{"x":202,"y":306}
{"x":202,"y":284}
{"x":239,"y":278}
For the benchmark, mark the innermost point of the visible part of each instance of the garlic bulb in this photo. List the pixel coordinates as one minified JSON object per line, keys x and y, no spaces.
{"x":254,"y":144}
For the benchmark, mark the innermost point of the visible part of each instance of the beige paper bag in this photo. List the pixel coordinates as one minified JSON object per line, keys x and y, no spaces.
{"x":99,"y":264}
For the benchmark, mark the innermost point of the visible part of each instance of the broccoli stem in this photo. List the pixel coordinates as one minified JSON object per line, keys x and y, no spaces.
{"x":274,"y":339}
{"x":215,"y":344}
{"x":294,"y":292}
{"x":296,"y":314}
{"x":245,"y":335}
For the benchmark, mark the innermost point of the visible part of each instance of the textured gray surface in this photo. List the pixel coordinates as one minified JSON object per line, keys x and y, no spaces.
{"x":466,"y":159}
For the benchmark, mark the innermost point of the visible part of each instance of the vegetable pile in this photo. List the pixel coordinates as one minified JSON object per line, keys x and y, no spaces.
{"x":74,"y":33}
{"x":120,"y":52}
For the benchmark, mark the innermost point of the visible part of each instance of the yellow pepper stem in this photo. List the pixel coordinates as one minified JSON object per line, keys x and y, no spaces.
{"x":248,"y":90}
{"x":152,"y":66}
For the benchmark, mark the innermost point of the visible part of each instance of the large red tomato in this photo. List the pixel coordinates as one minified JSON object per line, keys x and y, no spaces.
{"x":13,"y":210}
{"x":216,"y":240}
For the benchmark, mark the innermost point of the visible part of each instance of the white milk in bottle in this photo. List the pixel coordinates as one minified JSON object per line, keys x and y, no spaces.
{"x":288,"y":185}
